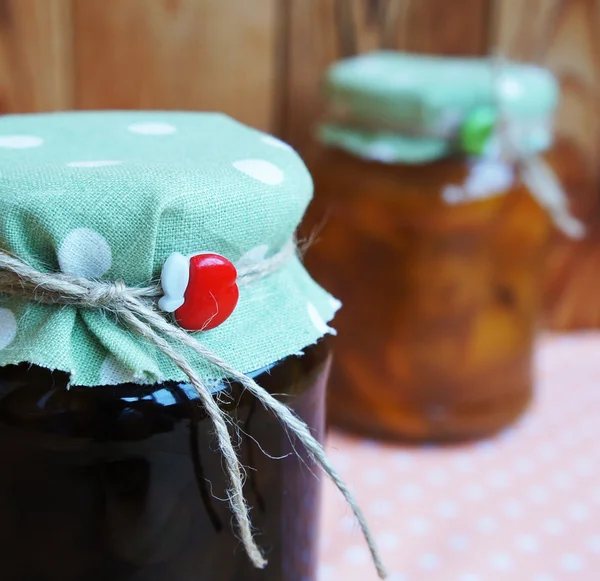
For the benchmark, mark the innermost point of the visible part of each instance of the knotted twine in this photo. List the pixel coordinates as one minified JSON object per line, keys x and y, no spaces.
{"x":135,"y":307}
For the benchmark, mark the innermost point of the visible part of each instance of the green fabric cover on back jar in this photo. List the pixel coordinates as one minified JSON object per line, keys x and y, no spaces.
{"x":405,"y":108}
{"x":111,"y":195}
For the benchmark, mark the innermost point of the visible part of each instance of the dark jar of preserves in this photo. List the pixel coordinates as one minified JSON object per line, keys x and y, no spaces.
{"x":126,"y":483}
{"x":434,"y":235}
{"x":147,"y":273}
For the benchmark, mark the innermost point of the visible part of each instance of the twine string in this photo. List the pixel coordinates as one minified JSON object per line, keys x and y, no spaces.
{"x":135,"y":308}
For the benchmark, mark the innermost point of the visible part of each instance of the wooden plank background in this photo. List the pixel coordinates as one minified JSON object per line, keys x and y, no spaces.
{"x":262,"y":61}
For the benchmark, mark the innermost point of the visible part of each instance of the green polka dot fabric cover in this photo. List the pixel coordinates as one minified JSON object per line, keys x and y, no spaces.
{"x":111,"y":195}
{"x":400,"y":107}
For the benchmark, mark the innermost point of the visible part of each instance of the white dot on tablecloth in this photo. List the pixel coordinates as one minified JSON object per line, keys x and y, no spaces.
{"x":374,"y":476}
{"x":579,"y":511}
{"x":320,"y":325}
{"x":428,"y":561}
{"x":274,"y":142}
{"x":585,"y":467}
{"x":528,"y":543}
{"x":512,"y":508}
{"x":152,"y":128}
{"x":397,"y":577}
{"x":381,"y":507}
{"x":20,"y":141}
{"x":447,"y":509}
{"x":436,"y":476}
{"x":409,"y":492}
{"x":486,"y":524}
{"x":388,"y":540}
{"x":470,"y":577}
{"x":356,"y":555}
{"x":501,"y":561}
{"x":85,"y":253}
{"x":418,"y":525}
{"x":458,"y":542}
{"x":98,"y":163}
{"x":347,"y":524}
{"x":326,"y":573}
{"x":474,"y":492}
{"x":499,"y":479}
{"x":402,"y":460}
{"x":562,"y":480}
{"x":538,"y":495}
{"x":593,"y":544}
{"x":260,"y":169}
{"x":572,"y":562}
{"x":8,"y":327}
{"x":553,"y":526}
{"x":543,"y":577}
{"x":112,"y":372}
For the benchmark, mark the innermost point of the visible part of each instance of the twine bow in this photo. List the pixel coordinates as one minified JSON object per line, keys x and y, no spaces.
{"x":135,"y":309}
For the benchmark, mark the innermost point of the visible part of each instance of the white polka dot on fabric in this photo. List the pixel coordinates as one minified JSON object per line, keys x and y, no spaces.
{"x":326,"y":573}
{"x":20,"y":141}
{"x":512,"y":508}
{"x":254,"y":255}
{"x":388,"y":540}
{"x":152,"y":128}
{"x":99,"y":163}
{"x":447,"y":509}
{"x":553,"y":526}
{"x":579,"y":511}
{"x":317,"y":320}
{"x":459,"y":542}
{"x":528,"y":543}
{"x":418,"y":525}
{"x":501,"y":561}
{"x":397,"y":577}
{"x":486,"y":524}
{"x":112,"y":372}
{"x":409,"y":492}
{"x":381,"y":507}
{"x":374,"y":476}
{"x":593,"y":544}
{"x":572,"y":562}
{"x":261,"y":170}
{"x":428,"y":561}
{"x":356,"y":555}
{"x":8,"y":327}
{"x":470,"y":577}
{"x":85,"y":253}
{"x":274,"y":142}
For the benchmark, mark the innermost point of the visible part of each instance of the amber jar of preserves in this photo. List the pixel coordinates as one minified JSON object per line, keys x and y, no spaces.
{"x":434,"y":240}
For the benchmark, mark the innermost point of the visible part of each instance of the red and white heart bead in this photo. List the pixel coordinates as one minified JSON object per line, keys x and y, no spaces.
{"x":200,"y":290}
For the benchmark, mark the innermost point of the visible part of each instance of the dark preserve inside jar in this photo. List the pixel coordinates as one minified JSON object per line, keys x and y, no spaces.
{"x":126,"y":483}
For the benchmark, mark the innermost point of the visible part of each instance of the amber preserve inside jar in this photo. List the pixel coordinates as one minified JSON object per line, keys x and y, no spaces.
{"x":125,"y":482}
{"x":437,"y":256}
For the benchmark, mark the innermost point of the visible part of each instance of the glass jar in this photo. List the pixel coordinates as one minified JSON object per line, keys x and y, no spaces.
{"x":436,"y":248}
{"x":440,"y":301}
{"x":144,"y":257}
{"x":125,"y":483}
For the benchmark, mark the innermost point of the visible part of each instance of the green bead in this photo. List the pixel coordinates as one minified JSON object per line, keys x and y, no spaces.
{"x":477,"y":129}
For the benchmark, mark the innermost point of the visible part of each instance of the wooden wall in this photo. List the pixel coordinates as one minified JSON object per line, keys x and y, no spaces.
{"x":261,"y":61}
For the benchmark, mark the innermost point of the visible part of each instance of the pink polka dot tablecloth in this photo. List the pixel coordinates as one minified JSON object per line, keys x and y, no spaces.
{"x":523,"y":506}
